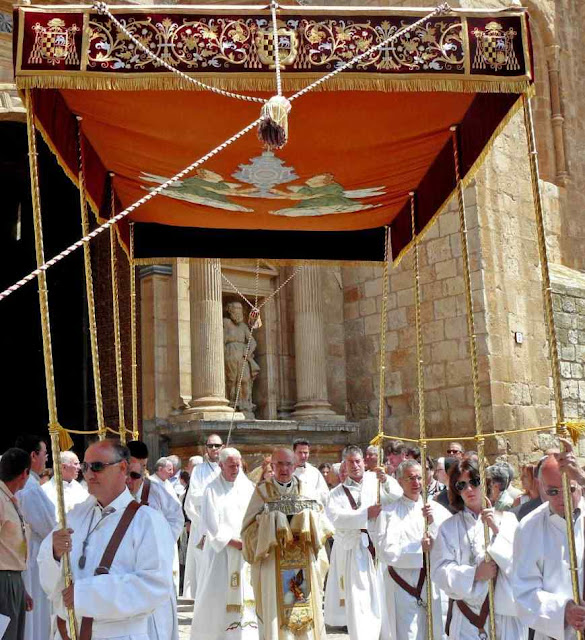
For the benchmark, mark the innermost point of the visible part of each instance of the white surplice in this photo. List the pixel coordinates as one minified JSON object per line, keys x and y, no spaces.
{"x":163,"y":624}
{"x":39,"y":512}
{"x":311,"y":477}
{"x":456,"y":553}
{"x":202,"y":475}
{"x":541,"y":578}
{"x":73,"y":493}
{"x":220,"y":591}
{"x":121,"y":601}
{"x":354,"y":594}
{"x":398,"y":537}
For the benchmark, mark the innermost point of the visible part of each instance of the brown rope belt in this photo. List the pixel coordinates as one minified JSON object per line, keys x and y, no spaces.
{"x":104,"y":568}
{"x":478,"y":621}
{"x":353,"y":505}
{"x":415,"y":592}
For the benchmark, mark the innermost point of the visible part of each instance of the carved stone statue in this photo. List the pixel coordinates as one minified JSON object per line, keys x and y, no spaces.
{"x":236,"y":334}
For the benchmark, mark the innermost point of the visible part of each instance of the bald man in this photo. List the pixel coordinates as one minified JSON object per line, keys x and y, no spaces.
{"x":73,"y":492}
{"x":541,"y":580}
{"x":283,"y":534}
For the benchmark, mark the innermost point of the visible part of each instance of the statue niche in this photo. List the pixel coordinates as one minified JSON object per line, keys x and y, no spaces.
{"x":236,"y":335}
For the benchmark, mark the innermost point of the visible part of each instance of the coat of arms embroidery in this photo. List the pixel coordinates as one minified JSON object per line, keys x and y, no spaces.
{"x":288,"y":45}
{"x":54,"y":43}
{"x":495,"y":48}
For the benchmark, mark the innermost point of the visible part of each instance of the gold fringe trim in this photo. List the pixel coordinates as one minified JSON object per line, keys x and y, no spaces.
{"x":254,"y":82}
{"x":470,"y":176}
{"x":236,"y":608}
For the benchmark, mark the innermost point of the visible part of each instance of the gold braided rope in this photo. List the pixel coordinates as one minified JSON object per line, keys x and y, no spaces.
{"x":93,"y":338}
{"x":383,"y":325}
{"x":55,"y":429}
{"x":420,"y":383}
{"x":116,"y":309}
{"x":134,"y":347}
{"x":561,"y":426}
{"x":474,"y":363}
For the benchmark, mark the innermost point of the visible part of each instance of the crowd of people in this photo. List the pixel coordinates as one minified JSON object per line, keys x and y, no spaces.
{"x":287,"y":549}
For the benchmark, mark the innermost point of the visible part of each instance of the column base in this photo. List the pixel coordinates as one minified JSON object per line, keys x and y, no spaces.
{"x":212,"y":408}
{"x":315,"y":410}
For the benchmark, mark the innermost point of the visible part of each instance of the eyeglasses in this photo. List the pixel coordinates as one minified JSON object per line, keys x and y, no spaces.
{"x":97,"y":467}
{"x":135,"y":475}
{"x":214,"y":446}
{"x":553,"y":491}
{"x":462,"y":484}
{"x":454,"y":451}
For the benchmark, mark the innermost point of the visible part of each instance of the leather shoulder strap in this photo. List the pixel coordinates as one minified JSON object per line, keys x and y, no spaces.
{"x":117,"y":537}
{"x":145,"y":491}
{"x":352,"y":502}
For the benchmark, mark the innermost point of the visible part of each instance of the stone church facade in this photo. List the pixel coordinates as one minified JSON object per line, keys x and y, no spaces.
{"x":318,"y":349}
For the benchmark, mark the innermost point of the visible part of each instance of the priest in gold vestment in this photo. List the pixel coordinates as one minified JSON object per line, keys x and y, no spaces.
{"x":283,"y":534}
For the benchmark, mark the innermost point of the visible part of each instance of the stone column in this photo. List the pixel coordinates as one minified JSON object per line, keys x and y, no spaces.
{"x":558,"y":120}
{"x":207,"y":359}
{"x":310,"y":348}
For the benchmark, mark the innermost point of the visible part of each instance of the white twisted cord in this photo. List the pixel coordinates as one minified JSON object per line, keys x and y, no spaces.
{"x":273,"y":7}
{"x":442,"y":8}
{"x":112,"y":221}
{"x":102,"y":9}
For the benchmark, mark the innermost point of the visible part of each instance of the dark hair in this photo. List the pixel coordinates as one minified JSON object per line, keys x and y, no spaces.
{"x":413,"y":452}
{"x":137,"y":449}
{"x":300,"y":442}
{"x":185,"y":477}
{"x":29,"y":442}
{"x":456,"y":471}
{"x":449,"y":462}
{"x":324,"y":465}
{"x":396,"y":446}
{"x":13,"y":463}
{"x":431,"y":464}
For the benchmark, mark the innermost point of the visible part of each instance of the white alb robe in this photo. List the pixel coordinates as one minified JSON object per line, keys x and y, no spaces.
{"x":163,"y":624}
{"x":354,"y":593}
{"x":121,"y":601}
{"x":456,"y":553}
{"x":311,"y":477}
{"x":202,"y":475}
{"x":398,"y":537}
{"x":222,"y":512}
{"x":541,"y":579}
{"x":39,"y":512}
{"x":73,"y":493}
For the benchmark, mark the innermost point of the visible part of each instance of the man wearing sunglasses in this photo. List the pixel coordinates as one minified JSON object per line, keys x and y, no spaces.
{"x":202,"y":476}
{"x":115,"y":600}
{"x":541,"y":577}
{"x":455,"y":450}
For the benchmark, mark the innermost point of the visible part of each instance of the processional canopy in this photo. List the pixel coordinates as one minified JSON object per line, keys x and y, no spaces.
{"x":358,"y":145}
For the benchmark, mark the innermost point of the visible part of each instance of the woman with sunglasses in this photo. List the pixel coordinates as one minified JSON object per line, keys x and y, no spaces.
{"x":459,"y":567}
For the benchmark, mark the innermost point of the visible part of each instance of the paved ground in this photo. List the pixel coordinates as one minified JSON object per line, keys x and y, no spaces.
{"x":186,"y":616}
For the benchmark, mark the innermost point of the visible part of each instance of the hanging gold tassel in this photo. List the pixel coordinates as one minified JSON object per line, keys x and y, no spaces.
{"x":65,"y":441}
{"x":576,"y":430}
{"x":273,"y":130}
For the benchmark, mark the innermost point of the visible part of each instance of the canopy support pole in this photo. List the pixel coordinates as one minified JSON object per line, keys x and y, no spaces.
{"x":55,"y":429}
{"x":421,"y":405}
{"x":474,"y":363}
{"x":382,"y":368}
{"x":133,"y":331}
{"x":116,"y":316}
{"x":93,"y":338}
{"x":561,"y":428}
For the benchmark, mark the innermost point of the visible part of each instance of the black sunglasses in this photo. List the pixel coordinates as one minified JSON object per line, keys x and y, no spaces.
{"x":462,"y":484}
{"x":96,"y":467}
{"x":454,"y":451}
{"x":553,"y":491}
{"x":135,"y":475}
{"x":214,"y":446}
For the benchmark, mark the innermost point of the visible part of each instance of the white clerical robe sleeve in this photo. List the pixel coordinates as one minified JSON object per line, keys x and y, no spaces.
{"x":342,"y":516}
{"x":218,"y":533}
{"x":117,"y":596}
{"x":394,"y":547}
{"x":541,"y":610}
{"x":390,"y":491}
{"x":50,"y":572}
{"x":502,"y":546}
{"x":38,"y":510}
{"x":456,"y":579}
{"x":172,"y":511}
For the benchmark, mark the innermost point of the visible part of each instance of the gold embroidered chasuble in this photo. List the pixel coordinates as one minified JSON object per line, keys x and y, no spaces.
{"x":283,"y":534}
